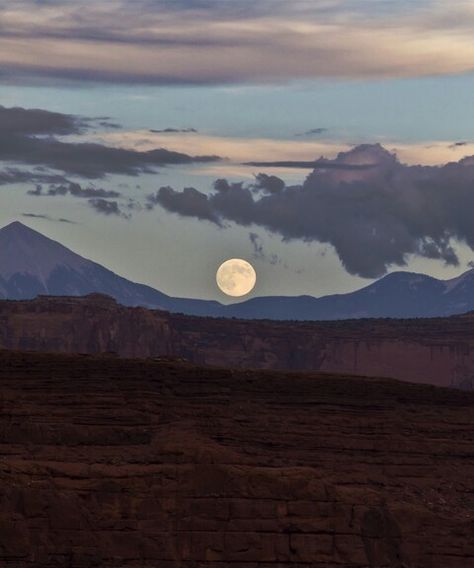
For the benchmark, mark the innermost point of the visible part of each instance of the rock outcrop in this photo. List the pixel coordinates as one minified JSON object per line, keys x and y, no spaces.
{"x":109,"y":462}
{"x":439,"y":351}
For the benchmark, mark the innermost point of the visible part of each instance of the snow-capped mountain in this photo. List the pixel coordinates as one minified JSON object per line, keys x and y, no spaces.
{"x":32,"y":264}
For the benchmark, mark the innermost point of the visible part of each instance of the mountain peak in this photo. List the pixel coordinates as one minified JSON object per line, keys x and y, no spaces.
{"x":15,"y":226}
{"x":26,"y":251}
{"x":460,"y":281}
{"x":33,"y":264}
{"x":16,"y":229}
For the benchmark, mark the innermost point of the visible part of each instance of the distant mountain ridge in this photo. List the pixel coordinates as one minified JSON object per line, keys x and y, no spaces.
{"x":32,"y":264}
{"x":397,"y":295}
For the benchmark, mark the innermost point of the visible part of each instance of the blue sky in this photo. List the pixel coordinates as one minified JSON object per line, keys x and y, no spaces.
{"x":253,"y":78}
{"x":405,"y":110}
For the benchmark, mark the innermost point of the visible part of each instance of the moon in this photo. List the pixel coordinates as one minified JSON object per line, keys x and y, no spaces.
{"x":236,"y":277}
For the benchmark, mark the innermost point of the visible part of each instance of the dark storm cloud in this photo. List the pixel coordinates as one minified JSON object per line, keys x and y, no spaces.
{"x":18,"y":121}
{"x":91,"y":160}
{"x":374,"y":217}
{"x":269,"y":184}
{"x":190,"y":202}
{"x":109,"y":208}
{"x":30,"y":136}
{"x":74,"y":189}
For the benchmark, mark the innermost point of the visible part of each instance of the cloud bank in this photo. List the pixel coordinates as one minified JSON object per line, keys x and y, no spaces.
{"x":74,"y":189}
{"x":374,"y":210}
{"x":32,"y":137}
{"x":217,"y":42}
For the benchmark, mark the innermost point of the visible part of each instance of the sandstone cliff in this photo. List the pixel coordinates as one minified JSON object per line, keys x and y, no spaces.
{"x":436,"y":351}
{"x":110,"y":462}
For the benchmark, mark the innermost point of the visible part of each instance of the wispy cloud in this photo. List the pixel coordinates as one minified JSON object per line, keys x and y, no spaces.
{"x":297,"y":151}
{"x":202,"y":42}
{"x":259,"y":251}
{"x":313,"y":132}
{"x":45,"y":217}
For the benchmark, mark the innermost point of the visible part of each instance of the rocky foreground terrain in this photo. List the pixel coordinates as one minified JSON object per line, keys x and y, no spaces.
{"x":108,"y":462}
{"x":438,"y":351}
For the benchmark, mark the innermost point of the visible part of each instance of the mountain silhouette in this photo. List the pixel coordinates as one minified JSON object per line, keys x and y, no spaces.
{"x":32,"y":264}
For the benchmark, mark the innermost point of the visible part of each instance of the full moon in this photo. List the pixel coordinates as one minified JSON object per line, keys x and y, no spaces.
{"x":236,"y":277}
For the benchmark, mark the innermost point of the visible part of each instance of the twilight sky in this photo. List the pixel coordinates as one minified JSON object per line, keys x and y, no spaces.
{"x":328,"y":142}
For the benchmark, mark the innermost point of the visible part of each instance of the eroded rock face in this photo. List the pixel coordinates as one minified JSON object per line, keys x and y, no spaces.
{"x":110,"y":462}
{"x":436,"y":351}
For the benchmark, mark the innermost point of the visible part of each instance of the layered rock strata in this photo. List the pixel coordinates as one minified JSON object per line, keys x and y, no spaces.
{"x":439,"y":351}
{"x":108,"y":462}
